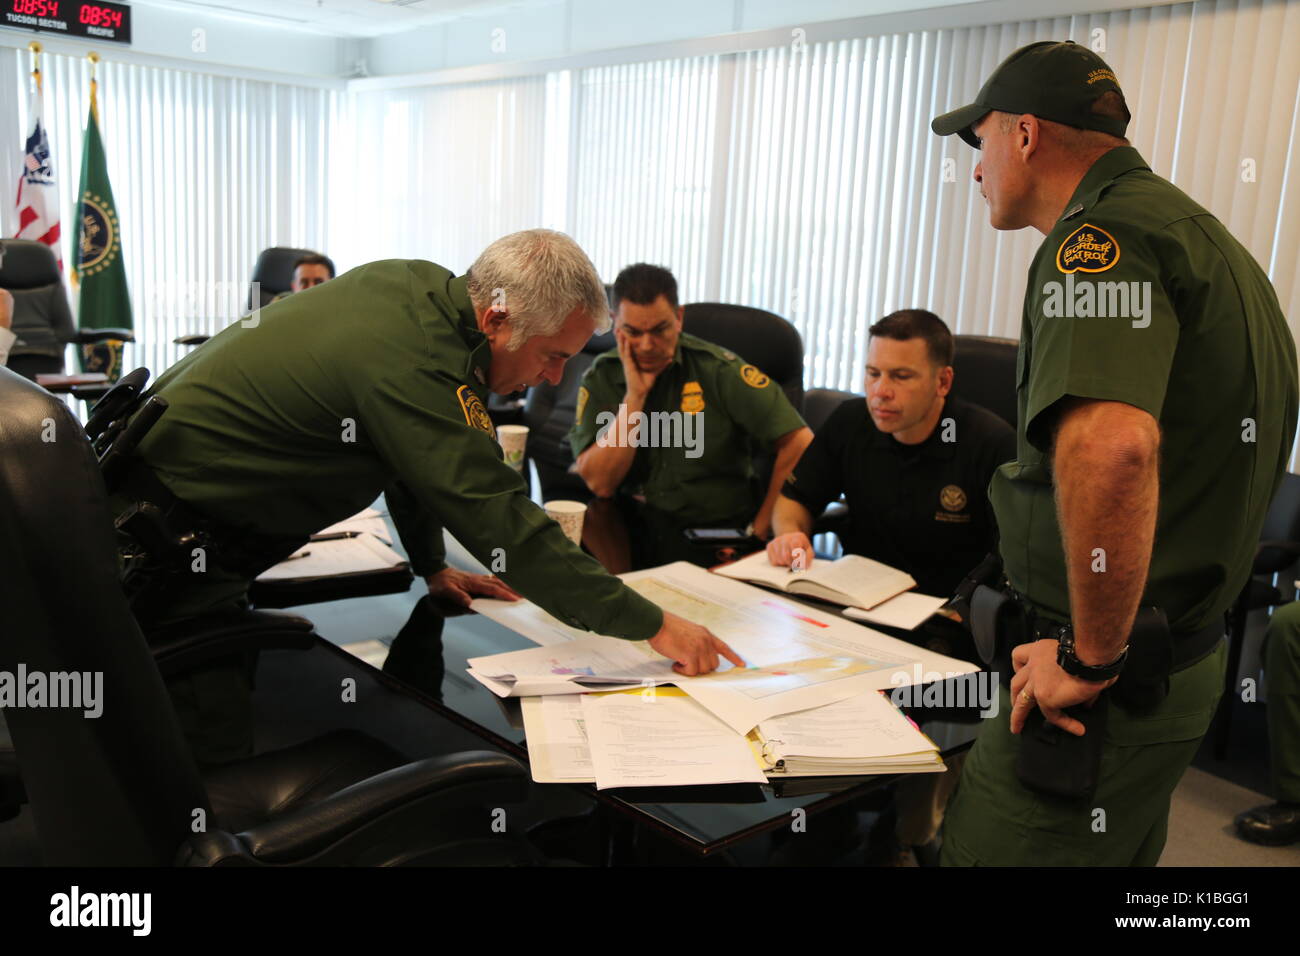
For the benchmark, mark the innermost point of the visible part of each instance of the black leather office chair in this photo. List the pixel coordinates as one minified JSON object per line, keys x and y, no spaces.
{"x":273,"y":273}
{"x":1279,"y":549}
{"x":820,"y":403}
{"x":549,"y":411}
{"x":122,"y":788}
{"x":42,"y":319}
{"x":984,"y":372}
{"x":761,"y":338}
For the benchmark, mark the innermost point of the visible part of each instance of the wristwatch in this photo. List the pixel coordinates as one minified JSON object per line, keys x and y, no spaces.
{"x":1070,"y":663}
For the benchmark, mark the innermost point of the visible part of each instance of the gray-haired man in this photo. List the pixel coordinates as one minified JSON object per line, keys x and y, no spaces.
{"x":377,"y":381}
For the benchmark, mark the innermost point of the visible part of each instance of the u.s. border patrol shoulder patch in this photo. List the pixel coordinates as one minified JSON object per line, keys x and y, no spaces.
{"x":475,"y":414}
{"x":753,"y":377}
{"x":692,"y":398}
{"x":581,"y":407}
{"x":1088,"y":249}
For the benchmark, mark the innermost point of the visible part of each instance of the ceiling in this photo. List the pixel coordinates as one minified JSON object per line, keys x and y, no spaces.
{"x":346,"y":18}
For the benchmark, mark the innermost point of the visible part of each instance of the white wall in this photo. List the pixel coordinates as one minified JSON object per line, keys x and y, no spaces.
{"x":208,"y":41}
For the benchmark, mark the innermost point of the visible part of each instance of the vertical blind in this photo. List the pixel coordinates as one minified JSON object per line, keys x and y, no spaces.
{"x":439,"y":172}
{"x":645,"y":155}
{"x":206,"y":171}
{"x":813,"y":169}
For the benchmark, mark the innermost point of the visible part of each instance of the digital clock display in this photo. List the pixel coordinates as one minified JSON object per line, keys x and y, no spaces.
{"x":94,"y":21}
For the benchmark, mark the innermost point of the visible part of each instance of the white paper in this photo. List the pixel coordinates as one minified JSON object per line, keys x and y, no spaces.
{"x":540,"y":686}
{"x":593,"y":662}
{"x":526,"y":618}
{"x":767,"y":630}
{"x":860,"y":727}
{"x":326,"y":559}
{"x":663,"y":740}
{"x":366,"y":521}
{"x":558,"y":751}
{"x":907,"y":610}
{"x":852,"y":579}
{"x":813,"y":657}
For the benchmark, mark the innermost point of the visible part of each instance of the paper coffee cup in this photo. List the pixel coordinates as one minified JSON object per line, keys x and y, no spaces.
{"x":514,"y":441}
{"x":568,"y":514}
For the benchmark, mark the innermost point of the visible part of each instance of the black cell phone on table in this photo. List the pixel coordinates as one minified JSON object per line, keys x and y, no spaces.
{"x":717,"y":535}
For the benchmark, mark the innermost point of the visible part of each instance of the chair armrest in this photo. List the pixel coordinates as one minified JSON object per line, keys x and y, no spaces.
{"x":1272,"y":556}
{"x":183,"y":645}
{"x":833,"y":520}
{"x":94,"y":336}
{"x":394,"y":811}
{"x":294,"y":593}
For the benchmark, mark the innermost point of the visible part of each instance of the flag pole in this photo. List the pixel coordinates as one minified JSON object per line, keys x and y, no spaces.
{"x":93,"y":57}
{"x":36,"y":49}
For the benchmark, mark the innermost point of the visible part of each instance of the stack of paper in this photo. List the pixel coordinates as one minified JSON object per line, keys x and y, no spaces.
{"x":356,"y":545}
{"x":864,"y":734}
{"x":660,"y":737}
{"x":804,"y":703}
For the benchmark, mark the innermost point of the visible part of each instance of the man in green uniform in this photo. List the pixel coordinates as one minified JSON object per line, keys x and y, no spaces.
{"x":1278,"y":824}
{"x":1134,"y":483}
{"x":299,"y":415}
{"x":672,"y":422}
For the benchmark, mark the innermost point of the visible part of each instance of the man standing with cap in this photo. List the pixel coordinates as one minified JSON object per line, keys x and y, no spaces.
{"x":1131,"y":513}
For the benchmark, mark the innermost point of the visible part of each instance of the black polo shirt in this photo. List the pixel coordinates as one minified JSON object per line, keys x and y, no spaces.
{"x":921,"y":508}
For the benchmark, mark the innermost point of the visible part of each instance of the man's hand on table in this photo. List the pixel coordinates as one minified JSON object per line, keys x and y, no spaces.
{"x":781,"y":549}
{"x":1040,"y":682}
{"x":693,"y":649}
{"x":457,"y":587}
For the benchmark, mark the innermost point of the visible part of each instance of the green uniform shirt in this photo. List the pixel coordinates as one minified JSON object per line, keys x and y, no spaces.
{"x":372,"y":381}
{"x":1202,"y":346}
{"x":734,"y":406}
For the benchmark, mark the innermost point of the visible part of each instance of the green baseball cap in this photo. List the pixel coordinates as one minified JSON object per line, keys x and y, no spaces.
{"x":1053,"y":81}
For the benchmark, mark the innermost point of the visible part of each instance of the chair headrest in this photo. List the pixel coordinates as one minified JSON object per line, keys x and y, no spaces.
{"x":600,"y":344}
{"x":757,"y":336}
{"x":28,"y":264}
{"x":274,"y":269}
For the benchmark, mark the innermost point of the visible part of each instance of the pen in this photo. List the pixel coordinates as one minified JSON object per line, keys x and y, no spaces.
{"x":335,"y":536}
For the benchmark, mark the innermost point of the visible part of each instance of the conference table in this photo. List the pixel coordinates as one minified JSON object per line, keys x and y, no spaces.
{"x":699,"y":821}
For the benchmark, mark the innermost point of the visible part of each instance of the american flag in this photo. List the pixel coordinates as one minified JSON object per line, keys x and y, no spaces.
{"x":38,"y":197}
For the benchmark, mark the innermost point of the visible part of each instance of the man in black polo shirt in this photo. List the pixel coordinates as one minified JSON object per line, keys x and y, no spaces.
{"x":913,"y":462}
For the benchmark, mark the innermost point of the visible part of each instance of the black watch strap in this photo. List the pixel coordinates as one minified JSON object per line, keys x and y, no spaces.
{"x":1070,"y":663}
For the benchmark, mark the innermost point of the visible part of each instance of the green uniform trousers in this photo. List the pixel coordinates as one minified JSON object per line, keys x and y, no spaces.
{"x":993,"y":820}
{"x":1282,"y":680}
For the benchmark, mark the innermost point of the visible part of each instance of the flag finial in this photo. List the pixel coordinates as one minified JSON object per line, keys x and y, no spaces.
{"x":36,"y":49}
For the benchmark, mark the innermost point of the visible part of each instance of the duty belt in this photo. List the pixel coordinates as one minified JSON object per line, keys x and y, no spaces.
{"x":1188,"y":646}
{"x":159,"y":529}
